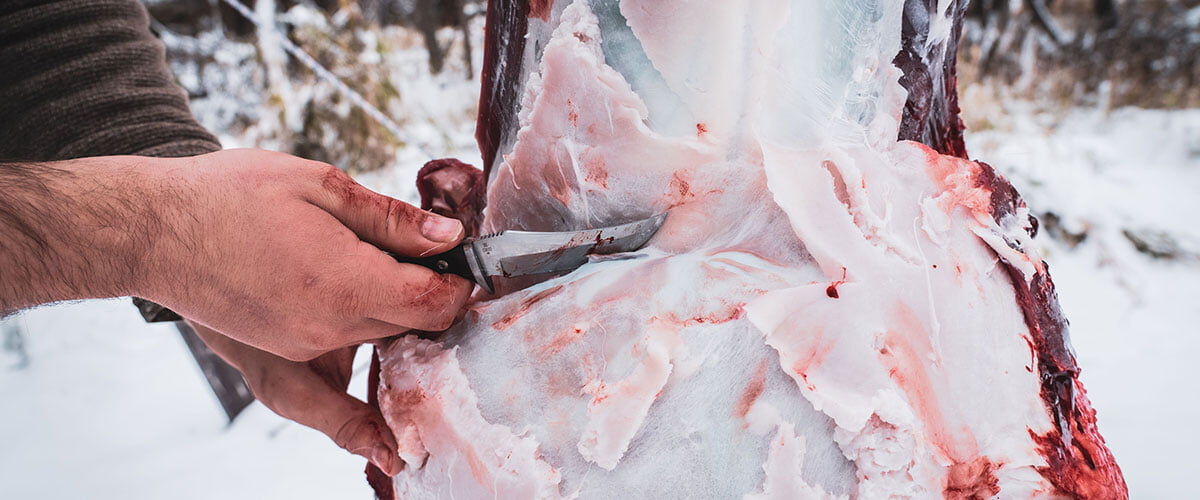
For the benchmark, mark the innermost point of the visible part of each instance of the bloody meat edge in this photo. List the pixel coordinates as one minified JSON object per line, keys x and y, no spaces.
{"x":1079,"y":464}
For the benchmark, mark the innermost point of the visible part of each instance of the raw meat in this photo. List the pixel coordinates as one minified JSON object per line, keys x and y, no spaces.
{"x":827,"y":312}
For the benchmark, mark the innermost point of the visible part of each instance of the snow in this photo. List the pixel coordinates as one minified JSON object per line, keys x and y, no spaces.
{"x":110,"y":407}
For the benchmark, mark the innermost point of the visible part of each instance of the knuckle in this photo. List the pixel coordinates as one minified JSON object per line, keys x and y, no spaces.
{"x":331,"y":178}
{"x":397,"y":214}
{"x":325,"y":170}
{"x":352,"y":430}
{"x":390,"y":224}
{"x":401,"y":218}
{"x":338,"y":186}
{"x":349,"y":302}
{"x":344,"y":298}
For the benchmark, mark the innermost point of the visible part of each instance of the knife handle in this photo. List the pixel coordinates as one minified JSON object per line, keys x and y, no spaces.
{"x":453,"y":261}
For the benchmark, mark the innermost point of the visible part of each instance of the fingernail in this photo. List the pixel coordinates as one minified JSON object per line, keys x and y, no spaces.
{"x":438,"y":228}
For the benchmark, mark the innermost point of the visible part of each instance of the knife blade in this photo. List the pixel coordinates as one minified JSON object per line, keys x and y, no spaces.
{"x":523,"y":253}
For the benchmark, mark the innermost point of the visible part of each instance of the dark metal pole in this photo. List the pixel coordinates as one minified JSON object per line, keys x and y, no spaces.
{"x":226,"y":382}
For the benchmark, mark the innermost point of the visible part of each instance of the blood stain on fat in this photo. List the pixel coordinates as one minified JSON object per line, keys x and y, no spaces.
{"x":561,"y":341}
{"x":681,"y":186}
{"x":714,"y":318}
{"x":507,"y":321}
{"x":572,"y":115}
{"x":832,"y":290}
{"x":972,"y":480}
{"x":597,"y":171}
{"x":408,"y":398}
{"x":752,"y":391}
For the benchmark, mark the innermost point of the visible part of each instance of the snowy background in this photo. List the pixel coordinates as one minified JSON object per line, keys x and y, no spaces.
{"x":98,"y":404}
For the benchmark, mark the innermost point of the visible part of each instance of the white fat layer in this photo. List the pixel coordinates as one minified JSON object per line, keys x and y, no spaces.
{"x":458,"y":452}
{"x":822,"y":315}
{"x":784,"y":467}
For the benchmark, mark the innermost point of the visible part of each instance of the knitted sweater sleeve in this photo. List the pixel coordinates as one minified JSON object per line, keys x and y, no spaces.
{"x":88,"y":78}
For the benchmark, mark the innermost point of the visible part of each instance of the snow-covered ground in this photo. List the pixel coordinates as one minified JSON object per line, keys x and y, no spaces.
{"x":110,"y":407}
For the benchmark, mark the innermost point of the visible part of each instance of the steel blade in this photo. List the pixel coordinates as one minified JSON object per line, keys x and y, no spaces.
{"x":522,"y":253}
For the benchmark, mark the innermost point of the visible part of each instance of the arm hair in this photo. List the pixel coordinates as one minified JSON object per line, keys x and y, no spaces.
{"x":73,"y":230}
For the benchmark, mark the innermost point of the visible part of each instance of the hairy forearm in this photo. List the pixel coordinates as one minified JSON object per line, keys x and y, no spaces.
{"x":77,"y":229}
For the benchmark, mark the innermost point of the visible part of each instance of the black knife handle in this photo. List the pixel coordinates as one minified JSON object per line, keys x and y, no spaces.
{"x":453,"y":261}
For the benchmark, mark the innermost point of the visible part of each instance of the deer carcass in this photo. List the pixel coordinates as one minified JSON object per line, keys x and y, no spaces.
{"x":838,"y":305}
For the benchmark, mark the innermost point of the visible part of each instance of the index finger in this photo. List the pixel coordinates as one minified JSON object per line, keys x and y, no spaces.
{"x":411,"y":296}
{"x":384,"y":221}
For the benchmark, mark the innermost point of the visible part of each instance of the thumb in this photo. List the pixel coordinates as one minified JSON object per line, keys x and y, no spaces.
{"x":384,"y":221}
{"x":365,"y":434}
{"x":302,"y":396}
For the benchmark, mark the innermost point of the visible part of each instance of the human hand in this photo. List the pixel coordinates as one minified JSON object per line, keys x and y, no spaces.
{"x":312,"y":393}
{"x":283,"y":254}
